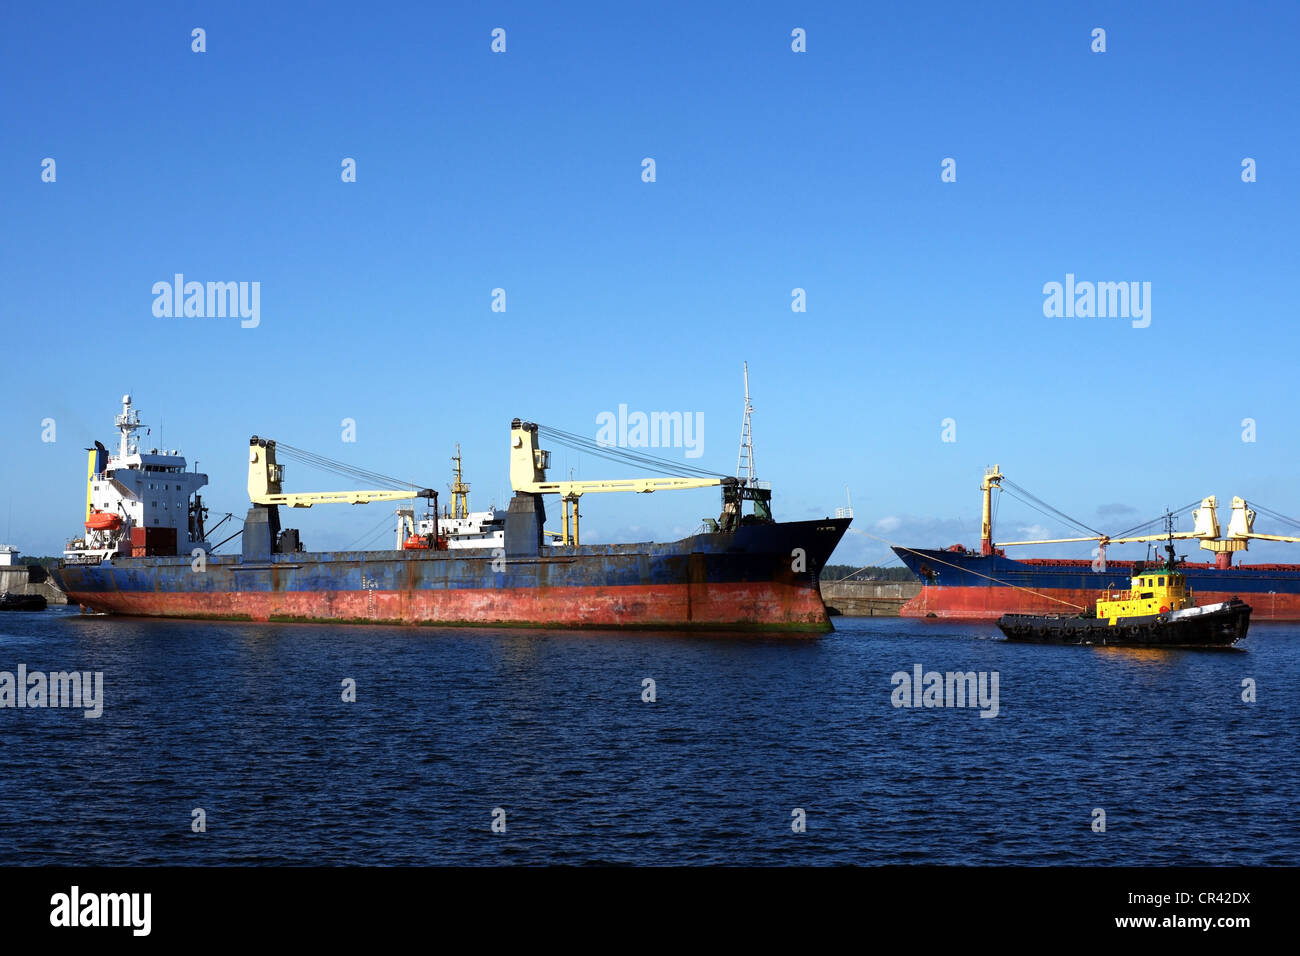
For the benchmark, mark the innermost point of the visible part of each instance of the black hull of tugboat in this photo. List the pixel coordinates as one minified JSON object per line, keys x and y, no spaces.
{"x":22,"y":602}
{"x":1219,"y":626}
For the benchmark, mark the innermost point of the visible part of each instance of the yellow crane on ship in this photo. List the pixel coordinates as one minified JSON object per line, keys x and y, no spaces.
{"x":262,"y":533}
{"x":528,"y":467}
{"x":529,"y":463}
{"x":1241,"y":531}
{"x":265,"y":476}
{"x":1205,"y":520}
{"x":1205,"y":528}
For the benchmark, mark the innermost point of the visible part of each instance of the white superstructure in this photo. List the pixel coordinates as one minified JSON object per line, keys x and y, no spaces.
{"x":138,"y":501}
{"x":455,"y":528}
{"x":478,"y":529}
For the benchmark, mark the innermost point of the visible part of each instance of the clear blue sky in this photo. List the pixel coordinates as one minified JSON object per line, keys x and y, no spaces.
{"x":775,"y":170}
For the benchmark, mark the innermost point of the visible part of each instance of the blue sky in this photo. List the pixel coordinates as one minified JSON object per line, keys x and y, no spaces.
{"x":774,"y":170}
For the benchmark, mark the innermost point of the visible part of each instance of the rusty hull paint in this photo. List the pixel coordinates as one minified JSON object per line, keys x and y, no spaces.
{"x":743,"y":580}
{"x":720,"y":606}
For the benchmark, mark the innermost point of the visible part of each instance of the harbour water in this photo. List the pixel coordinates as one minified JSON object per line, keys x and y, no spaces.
{"x":449,"y":728}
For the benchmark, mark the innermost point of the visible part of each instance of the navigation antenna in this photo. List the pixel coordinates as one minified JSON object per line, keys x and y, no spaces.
{"x":1169,"y":546}
{"x":128,"y":423}
{"x":745,"y":459}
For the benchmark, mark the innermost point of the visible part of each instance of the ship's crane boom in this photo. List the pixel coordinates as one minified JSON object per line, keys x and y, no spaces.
{"x":1205,"y":517}
{"x":1241,"y":527}
{"x":528,"y":465}
{"x":1206,"y":528}
{"x":576,"y":489}
{"x":265,"y":476}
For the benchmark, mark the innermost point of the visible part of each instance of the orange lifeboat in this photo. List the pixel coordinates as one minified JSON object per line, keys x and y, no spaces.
{"x":103,"y":521}
{"x":415,"y":542}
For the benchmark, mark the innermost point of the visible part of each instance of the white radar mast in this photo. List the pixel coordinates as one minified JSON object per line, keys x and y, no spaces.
{"x":745,"y":459}
{"x":128,"y":423}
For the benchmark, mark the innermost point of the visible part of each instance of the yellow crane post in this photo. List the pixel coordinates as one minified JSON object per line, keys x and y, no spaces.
{"x":528,"y":464}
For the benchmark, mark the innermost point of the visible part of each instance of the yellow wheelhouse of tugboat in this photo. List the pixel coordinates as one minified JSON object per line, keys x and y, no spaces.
{"x":1156,"y":591}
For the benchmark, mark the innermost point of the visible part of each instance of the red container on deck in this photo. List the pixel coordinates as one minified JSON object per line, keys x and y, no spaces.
{"x":148,"y":542}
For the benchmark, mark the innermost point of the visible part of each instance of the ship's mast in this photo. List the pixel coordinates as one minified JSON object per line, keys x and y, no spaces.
{"x":745,"y":459}
{"x":128,"y":423}
{"x":459,"y":490}
{"x":846,"y":512}
{"x":992,"y":479}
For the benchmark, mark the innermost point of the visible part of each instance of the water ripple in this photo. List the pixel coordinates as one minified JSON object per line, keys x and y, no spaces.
{"x":246,"y":721}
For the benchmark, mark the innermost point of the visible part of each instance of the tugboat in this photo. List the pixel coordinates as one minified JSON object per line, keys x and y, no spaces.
{"x":1158,"y":610}
{"x":14,"y":574}
{"x":21,"y":602}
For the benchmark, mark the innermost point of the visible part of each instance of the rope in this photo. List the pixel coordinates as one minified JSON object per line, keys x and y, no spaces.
{"x":649,"y":462}
{"x":1038,"y":504}
{"x":1275,"y":515}
{"x":930,"y":557}
{"x":1154,"y":521}
{"x":373,"y":533}
{"x":354,"y":472}
{"x":888,"y":560}
{"x":1045,"y":514}
{"x":621,"y":461}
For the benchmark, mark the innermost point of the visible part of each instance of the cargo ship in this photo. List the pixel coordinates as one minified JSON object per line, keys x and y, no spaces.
{"x":983,"y":584}
{"x":145,"y":551}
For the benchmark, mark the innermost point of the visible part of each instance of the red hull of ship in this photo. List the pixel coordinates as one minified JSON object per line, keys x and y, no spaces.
{"x":751,"y":606}
{"x":990,"y":603}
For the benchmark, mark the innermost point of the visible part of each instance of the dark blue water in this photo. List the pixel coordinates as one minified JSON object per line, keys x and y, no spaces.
{"x":246,"y":721}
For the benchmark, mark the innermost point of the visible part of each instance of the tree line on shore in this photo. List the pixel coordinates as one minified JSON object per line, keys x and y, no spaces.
{"x":837,"y":572}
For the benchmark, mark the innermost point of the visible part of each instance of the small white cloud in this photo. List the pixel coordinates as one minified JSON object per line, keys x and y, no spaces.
{"x":886,"y":525}
{"x":1029,"y":531}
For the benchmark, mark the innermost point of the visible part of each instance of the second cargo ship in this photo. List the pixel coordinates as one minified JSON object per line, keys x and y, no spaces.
{"x":985,"y":583}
